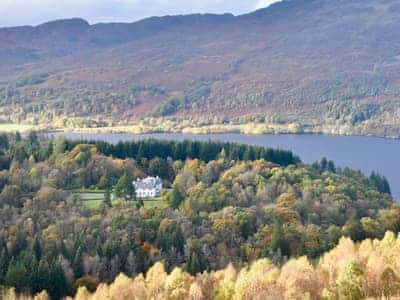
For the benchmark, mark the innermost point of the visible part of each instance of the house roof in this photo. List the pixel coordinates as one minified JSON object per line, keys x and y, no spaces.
{"x":147,"y":183}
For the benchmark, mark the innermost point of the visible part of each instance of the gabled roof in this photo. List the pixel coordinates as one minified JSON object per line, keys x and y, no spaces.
{"x":147,"y":183}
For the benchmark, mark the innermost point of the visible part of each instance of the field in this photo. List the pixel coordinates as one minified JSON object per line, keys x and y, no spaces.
{"x":93,"y":199}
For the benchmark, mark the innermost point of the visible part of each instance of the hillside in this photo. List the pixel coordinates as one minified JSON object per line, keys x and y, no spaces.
{"x":367,"y":271}
{"x":224,"y":204}
{"x":299,"y":65}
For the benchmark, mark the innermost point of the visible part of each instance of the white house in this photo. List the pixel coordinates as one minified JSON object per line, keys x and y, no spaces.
{"x":149,"y":187}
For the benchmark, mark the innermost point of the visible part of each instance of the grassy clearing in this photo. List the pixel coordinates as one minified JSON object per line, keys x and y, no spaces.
{"x":154,"y":203}
{"x":93,"y":204}
{"x":92,"y":196}
{"x":93,"y":199}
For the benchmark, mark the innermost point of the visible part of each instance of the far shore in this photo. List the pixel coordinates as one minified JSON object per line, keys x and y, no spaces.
{"x":249,"y":129}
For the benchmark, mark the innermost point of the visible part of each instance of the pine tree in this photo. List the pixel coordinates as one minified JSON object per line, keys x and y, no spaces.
{"x":77,"y":264}
{"x":194,"y":265}
{"x":107,"y":198}
{"x":37,"y":249}
{"x":17,"y":275}
{"x":42,"y":278}
{"x":58,"y":286}
{"x":124,"y":188}
{"x":4,"y":260}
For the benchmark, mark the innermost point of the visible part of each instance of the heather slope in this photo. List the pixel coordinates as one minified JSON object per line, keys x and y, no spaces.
{"x":299,"y":65}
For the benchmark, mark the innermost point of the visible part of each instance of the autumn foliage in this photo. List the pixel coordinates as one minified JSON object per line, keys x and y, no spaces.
{"x":370,"y":269}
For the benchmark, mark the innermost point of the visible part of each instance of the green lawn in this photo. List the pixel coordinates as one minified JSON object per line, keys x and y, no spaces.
{"x":93,"y":199}
{"x":154,"y":203}
{"x":93,"y":204}
{"x":92,"y":196}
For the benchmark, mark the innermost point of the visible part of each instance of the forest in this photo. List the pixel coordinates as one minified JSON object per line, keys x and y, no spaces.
{"x":349,"y":271}
{"x":238,"y":220}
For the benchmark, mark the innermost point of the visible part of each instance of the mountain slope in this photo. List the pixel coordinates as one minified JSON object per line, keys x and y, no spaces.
{"x":303,"y":65}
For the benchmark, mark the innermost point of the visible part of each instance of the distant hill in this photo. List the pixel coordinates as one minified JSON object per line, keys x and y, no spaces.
{"x":300,"y":65}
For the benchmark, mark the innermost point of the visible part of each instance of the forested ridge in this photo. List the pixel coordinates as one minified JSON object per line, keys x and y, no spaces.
{"x":222,"y":207}
{"x":175,"y":150}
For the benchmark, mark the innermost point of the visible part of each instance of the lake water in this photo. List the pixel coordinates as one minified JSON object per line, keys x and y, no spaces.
{"x":364,"y":153}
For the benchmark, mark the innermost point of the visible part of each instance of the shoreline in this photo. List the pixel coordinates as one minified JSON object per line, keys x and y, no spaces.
{"x":205,"y":130}
{"x":112,"y":130}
